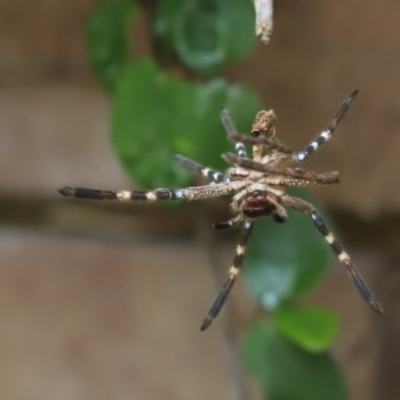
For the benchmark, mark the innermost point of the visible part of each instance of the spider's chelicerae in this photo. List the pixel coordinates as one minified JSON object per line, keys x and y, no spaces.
{"x":258,"y":188}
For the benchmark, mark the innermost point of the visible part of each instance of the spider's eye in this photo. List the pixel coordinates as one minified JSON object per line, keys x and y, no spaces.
{"x":256,"y":133}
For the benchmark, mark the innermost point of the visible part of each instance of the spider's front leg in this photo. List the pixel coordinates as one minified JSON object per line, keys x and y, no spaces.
{"x":326,"y":134}
{"x":189,"y":193}
{"x":205,"y":171}
{"x":231,"y":130}
{"x":306,"y":208}
{"x":295,"y":173}
{"x":233,"y":274}
{"x":123,"y":195}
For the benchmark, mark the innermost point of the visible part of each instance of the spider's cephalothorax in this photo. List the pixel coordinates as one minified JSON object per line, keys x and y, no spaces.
{"x":258,"y":187}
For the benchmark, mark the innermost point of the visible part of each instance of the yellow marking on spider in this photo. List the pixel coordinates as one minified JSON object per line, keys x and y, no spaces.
{"x":151,"y":196}
{"x":234,"y":272}
{"x":240,"y":250}
{"x":330,"y":239}
{"x":124,"y":195}
{"x":343,"y":256}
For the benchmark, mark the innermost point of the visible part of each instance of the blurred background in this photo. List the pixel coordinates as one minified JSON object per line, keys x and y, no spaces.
{"x":105,"y":301}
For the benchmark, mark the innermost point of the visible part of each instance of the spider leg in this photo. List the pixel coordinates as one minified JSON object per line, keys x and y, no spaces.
{"x":232,"y":223}
{"x":327,"y":134}
{"x":233,"y":274}
{"x":230,"y":128}
{"x":273,"y":144}
{"x":323,"y":179}
{"x":295,"y":173}
{"x":206,"y":172}
{"x":190,"y":193}
{"x":123,"y":195}
{"x":306,"y":208}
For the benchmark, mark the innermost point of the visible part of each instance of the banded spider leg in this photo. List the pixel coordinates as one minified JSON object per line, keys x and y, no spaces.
{"x":326,"y":134}
{"x":307,"y":208}
{"x":233,"y":274}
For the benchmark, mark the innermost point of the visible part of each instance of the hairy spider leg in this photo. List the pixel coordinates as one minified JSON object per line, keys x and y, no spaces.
{"x":307,"y":208}
{"x":233,"y":274}
{"x":296,"y":182}
{"x":190,"y":193}
{"x":232,"y":223}
{"x":295,"y":173}
{"x":327,"y":134}
{"x":273,"y":144}
{"x":206,"y":172}
{"x":230,"y":129}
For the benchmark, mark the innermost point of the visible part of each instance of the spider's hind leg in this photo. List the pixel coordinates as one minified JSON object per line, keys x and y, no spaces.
{"x":233,"y":274}
{"x":278,"y":218}
{"x":306,"y":208}
{"x":232,"y":223}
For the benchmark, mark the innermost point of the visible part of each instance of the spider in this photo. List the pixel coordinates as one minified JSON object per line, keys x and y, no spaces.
{"x":258,"y":189}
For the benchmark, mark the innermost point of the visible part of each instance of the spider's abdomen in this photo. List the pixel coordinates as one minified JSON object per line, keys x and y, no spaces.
{"x":259,"y":210}
{"x":258,"y":204}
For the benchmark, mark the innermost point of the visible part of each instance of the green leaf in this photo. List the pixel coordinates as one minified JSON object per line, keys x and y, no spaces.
{"x":166,"y":13}
{"x":312,"y":328}
{"x":108,"y":40}
{"x":209,"y":136}
{"x":287,"y":372}
{"x":145,"y":107}
{"x":286,"y":260}
{"x":207,"y":34}
{"x":155,"y":115}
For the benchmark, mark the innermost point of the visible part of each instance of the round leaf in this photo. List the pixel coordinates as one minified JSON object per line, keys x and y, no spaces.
{"x":166,"y":13}
{"x":286,"y":260}
{"x":312,"y":328}
{"x":206,"y":33}
{"x":156,"y":115}
{"x":287,"y":372}
{"x":210,"y":137}
{"x":108,"y":40}
{"x":143,"y":121}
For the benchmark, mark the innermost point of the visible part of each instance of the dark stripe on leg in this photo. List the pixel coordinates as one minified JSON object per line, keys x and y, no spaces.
{"x":327,"y":134}
{"x":83,"y":193}
{"x":218,"y":303}
{"x":320,"y":141}
{"x":238,"y":260}
{"x":215,"y":176}
{"x":231,"y":130}
{"x":363,"y":289}
{"x":187,"y":163}
{"x":164,"y":194}
{"x":309,"y":150}
{"x":155,"y":195}
{"x":358,"y":282}
{"x":138,"y":195}
{"x":344,"y":107}
{"x":241,"y":150}
{"x":233,"y":274}
{"x":228,"y":224}
{"x":123,"y":195}
{"x":207,"y":172}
